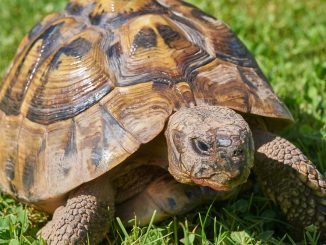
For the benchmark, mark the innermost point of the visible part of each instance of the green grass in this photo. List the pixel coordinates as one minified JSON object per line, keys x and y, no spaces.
{"x":288,"y":39}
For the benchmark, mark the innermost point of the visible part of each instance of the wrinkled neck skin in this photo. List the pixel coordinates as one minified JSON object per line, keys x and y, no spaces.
{"x":209,"y":146}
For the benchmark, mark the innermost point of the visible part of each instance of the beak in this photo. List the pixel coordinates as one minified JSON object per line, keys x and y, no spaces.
{"x":212,"y":184}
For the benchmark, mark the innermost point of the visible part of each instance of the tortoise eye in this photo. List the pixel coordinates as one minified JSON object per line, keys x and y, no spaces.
{"x":200,"y":146}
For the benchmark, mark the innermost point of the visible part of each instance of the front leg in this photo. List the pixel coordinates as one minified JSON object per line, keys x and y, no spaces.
{"x":290,"y":180}
{"x":85,"y":217}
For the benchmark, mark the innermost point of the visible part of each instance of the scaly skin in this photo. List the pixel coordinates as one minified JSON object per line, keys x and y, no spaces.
{"x":291,"y":181}
{"x":85,"y":217}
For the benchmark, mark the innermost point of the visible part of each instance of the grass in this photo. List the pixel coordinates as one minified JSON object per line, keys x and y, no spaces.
{"x":288,"y":39}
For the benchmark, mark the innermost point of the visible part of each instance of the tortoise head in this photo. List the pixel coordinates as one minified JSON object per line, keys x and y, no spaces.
{"x":210,"y":146}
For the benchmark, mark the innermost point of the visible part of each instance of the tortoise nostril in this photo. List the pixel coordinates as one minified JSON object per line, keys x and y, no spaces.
{"x":237,"y":152}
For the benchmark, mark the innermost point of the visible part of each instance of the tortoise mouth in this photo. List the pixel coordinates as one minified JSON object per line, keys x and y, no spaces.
{"x":218,"y":183}
{"x":212,"y":184}
{"x":223,"y":182}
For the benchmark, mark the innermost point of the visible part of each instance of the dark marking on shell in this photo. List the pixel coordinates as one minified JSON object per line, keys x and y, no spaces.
{"x":113,"y":54}
{"x":183,"y":21}
{"x":194,"y":35}
{"x":55,"y":113}
{"x":13,"y":189}
{"x":107,"y":118}
{"x":97,"y":152}
{"x":190,"y":77}
{"x":52,"y":31}
{"x":10,"y":169}
{"x":168,"y":34}
{"x":123,"y":17}
{"x":50,"y":39}
{"x":245,"y":79}
{"x":74,"y":8}
{"x":194,"y":62}
{"x":145,"y":38}
{"x":114,"y":51}
{"x":232,"y":59}
{"x":66,"y":171}
{"x":236,"y":53}
{"x":43,"y":146}
{"x":71,"y":147}
{"x":187,"y":4}
{"x":108,"y":133}
{"x":28,"y":173}
{"x":96,"y":19}
{"x":76,"y":48}
{"x":35,"y":31}
{"x":112,"y":129}
{"x":160,"y":82}
{"x":11,"y":103}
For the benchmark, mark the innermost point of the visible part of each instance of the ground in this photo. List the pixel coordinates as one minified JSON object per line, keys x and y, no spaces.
{"x":288,"y":39}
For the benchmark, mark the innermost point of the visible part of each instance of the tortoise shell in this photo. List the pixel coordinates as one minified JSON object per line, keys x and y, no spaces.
{"x":89,"y":85}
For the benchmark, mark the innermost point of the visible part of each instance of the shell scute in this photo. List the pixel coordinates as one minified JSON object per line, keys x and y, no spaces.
{"x":72,"y":80}
{"x":173,"y":57}
{"x":27,"y":67}
{"x":144,"y":110}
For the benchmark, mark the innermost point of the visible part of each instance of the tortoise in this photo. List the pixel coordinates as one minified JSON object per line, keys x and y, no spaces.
{"x":93,"y":91}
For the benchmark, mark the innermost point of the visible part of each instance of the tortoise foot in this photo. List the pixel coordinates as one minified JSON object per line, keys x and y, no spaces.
{"x":85,"y":217}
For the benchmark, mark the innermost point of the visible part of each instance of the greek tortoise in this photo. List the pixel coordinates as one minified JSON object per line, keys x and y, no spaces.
{"x":85,"y":101}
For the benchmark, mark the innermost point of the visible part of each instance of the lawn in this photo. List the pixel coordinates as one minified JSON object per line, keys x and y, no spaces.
{"x":288,"y":39}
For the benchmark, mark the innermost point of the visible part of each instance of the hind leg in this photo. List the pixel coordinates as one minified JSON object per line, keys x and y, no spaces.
{"x":85,"y":217}
{"x":167,"y":197}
